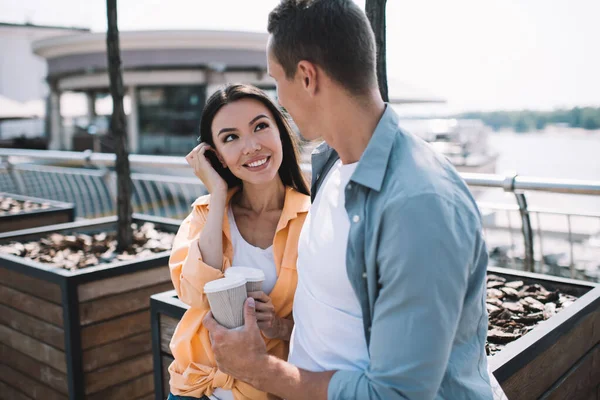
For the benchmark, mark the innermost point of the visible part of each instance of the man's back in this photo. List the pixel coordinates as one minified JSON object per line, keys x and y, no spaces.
{"x":417,"y":262}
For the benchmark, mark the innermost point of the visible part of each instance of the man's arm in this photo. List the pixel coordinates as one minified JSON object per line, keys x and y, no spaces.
{"x":424,"y":254}
{"x":243,"y":355}
{"x":423,"y":258}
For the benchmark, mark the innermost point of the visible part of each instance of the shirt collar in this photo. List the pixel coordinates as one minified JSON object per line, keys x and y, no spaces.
{"x":294,"y":203}
{"x":373,"y":162}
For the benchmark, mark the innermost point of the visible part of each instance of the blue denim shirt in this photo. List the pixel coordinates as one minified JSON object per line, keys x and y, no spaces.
{"x":417,"y":262}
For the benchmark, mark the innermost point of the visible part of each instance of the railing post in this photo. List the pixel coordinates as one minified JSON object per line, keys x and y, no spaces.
{"x":526,"y":230}
{"x":509,"y":186}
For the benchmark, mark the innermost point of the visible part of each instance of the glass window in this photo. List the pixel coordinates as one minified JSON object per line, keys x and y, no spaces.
{"x":169,"y":118}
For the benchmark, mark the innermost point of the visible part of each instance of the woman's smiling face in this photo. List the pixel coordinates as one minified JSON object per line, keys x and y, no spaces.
{"x":247,"y":139}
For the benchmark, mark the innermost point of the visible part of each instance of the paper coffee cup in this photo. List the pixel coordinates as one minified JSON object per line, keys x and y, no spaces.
{"x":254,"y":277}
{"x":226,"y":297}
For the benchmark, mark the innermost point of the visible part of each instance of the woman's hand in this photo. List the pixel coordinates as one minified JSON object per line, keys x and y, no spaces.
{"x":204,"y":170}
{"x":269,"y":323}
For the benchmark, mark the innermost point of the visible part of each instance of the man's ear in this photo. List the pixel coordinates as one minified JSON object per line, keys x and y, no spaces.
{"x":309,"y":76}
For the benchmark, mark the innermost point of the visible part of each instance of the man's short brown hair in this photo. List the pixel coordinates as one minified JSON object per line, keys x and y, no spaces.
{"x":334,"y":34}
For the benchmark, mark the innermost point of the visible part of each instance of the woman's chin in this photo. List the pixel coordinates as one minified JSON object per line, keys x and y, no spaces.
{"x":254,"y":179}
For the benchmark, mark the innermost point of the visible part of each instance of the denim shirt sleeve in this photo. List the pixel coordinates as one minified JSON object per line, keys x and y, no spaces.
{"x":425,"y":249}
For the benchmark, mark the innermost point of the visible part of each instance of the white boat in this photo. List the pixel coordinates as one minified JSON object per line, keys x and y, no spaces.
{"x":463,"y":141}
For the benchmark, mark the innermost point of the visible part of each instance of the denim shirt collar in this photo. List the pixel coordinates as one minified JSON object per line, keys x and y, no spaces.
{"x":372,"y":165}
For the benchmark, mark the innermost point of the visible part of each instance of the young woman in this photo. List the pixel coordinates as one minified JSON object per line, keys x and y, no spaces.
{"x":253,"y":216}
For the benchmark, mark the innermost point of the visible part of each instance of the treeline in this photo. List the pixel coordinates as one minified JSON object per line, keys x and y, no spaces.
{"x":525,"y":120}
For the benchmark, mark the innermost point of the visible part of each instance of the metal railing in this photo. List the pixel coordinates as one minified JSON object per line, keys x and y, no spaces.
{"x":88,"y":180}
{"x":165,"y":186}
{"x":518,"y":186}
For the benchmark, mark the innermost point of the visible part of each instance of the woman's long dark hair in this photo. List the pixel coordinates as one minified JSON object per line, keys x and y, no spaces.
{"x":289,"y":171}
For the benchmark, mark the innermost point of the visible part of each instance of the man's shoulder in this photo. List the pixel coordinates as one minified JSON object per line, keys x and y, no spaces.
{"x":416,"y":171}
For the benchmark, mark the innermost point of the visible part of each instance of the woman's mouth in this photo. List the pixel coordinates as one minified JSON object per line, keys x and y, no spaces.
{"x":258,"y":164}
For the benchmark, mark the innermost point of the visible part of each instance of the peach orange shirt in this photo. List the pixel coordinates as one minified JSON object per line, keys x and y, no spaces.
{"x":194,"y":372}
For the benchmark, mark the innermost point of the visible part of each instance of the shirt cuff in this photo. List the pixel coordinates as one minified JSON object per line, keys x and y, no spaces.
{"x":344,"y":385}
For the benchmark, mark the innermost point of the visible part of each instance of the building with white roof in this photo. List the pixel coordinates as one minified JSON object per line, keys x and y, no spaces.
{"x":167,"y":75}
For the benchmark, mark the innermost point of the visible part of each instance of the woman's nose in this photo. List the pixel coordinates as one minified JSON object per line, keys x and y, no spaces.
{"x":251,"y":146}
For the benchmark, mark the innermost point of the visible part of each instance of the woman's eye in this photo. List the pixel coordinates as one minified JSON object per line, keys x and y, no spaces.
{"x":229,"y":138}
{"x":260,"y":126}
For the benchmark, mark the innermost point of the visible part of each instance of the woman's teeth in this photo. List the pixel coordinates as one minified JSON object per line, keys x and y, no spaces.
{"x":257,"y":163}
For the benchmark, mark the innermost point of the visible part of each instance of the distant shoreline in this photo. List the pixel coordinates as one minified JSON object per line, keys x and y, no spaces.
{"x":553,"y":129}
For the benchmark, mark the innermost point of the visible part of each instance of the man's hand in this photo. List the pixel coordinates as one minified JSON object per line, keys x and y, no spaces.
{"x":243,"y":355}
{"x":239,"y":353}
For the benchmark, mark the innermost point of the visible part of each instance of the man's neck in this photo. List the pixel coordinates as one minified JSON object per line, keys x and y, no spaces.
{"x":350,"y":124}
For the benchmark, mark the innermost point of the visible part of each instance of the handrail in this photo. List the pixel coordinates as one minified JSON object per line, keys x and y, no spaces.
{"x":88,"y":157}
{"x":528,"y":183}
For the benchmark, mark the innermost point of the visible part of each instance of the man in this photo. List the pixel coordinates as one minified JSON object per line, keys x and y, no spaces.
{"x":390,"y":301}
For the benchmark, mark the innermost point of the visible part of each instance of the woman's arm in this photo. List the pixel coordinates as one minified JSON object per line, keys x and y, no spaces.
{"x":189,"y":272}
{"x":211,"y":237}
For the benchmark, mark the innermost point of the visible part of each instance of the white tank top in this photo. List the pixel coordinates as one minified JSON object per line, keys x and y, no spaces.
{"x":247,"y":255}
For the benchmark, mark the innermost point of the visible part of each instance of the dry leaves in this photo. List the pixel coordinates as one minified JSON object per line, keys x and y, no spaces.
{"x":515,"y":308}
{"x":10,"y":206}
{"x":75,"y":251}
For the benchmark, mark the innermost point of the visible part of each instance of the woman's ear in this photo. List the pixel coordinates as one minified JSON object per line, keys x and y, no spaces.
{"x":221,"y":160}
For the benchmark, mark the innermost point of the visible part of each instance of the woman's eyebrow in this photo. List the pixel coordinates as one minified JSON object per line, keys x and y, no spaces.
{"x":257,"y":118}
{"x":225,"y":130}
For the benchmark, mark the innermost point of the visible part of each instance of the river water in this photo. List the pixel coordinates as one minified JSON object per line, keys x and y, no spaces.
{"x":566,"y":154}
{"x":572,"y":154}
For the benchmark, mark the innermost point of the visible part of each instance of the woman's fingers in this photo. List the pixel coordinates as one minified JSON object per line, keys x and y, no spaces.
{"x":198,"y":150}
{"x":265,"y":311}
{"x":264,"y":307}
{"x":197,"y":158}
{"x":260,"y":296}
{"x":204,"y":170}
{"x":264,"y":317}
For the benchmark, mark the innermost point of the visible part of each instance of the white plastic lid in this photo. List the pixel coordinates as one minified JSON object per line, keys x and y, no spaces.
{"x":251,"y":274}
{"x":229,"y":282}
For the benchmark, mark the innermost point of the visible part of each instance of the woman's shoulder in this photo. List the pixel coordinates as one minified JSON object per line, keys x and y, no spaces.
{"x":296,"y":201}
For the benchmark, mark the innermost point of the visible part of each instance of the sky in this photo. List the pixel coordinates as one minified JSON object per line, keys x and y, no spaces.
{"x":476,"y":54}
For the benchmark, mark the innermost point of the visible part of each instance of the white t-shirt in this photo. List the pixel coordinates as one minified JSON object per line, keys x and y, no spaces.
{"x":328,"y":332}
{"x":247,"y":255}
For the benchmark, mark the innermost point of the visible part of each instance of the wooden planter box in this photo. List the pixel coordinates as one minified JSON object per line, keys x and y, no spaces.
{"x":57,"y":213}
{"x":559,"y":359}
{"x":165,"y":312}
{"x":81,"y":334}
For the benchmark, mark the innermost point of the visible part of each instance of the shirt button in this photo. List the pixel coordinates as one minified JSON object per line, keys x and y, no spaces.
{"x":349,"y":186}
{"x":364,"y":275}
{"x":369,"y":329}
{"x":355,"y":219}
